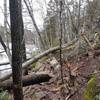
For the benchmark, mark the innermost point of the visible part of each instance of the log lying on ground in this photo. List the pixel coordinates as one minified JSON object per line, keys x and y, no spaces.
{"x":97,"y":53}
{"x":34,"y":59}
{"x":27,"y":80}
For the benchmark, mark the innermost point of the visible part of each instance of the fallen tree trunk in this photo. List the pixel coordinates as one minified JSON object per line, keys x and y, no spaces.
{"x":34,"y":59}
{"x":26,"y":80}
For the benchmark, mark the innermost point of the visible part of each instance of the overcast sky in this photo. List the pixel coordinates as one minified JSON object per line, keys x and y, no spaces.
{"x":39,"y":9}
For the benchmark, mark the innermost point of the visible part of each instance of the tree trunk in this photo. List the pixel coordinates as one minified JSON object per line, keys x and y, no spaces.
{"x":16,"y":37}
{"x":23,"y":45}
{"x":5,"y":32}
{"x":23,"y":49}
{"x":27,"y":80}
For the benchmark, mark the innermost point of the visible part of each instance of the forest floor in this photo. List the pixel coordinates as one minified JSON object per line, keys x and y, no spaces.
{"x":81,"y":70}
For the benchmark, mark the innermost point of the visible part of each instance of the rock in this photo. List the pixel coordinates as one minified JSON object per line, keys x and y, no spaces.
{"x":54,"y":63}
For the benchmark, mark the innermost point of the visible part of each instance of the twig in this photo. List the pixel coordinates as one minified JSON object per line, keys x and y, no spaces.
{"x":70,"y":95}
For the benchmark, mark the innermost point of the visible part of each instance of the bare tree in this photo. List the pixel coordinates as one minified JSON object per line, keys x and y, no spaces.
{"x":29,"y":8}
{"x":6,"y":32}
{"x":17,"y":39}
{"x":61,"y":34}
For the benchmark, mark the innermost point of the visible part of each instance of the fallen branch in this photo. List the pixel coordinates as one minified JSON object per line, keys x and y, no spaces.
{"x":27,"y":80}
{"x":5,"y":63}
{"x":34,"y":59}
{"x":2,"y":51}
{"x":87,"y":41}
{"x":5,"y":69}
{"x":71,"y":94}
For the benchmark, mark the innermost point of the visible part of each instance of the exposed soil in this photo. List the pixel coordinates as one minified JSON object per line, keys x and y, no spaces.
{"x":81,"y":69}
{"x":73,"y":88}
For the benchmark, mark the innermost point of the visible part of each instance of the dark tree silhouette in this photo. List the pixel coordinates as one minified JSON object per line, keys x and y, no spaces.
{"x":17,"y":44}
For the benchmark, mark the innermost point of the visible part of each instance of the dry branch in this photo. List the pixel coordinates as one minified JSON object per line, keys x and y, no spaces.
{"x":27,"y":80}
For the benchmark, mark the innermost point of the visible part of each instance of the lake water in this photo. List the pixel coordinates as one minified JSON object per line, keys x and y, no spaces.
{"x":3,"y":58}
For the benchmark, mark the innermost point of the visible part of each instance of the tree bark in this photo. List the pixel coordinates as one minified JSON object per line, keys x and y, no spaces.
{"x":27,"y":80}
{"x":16,"y":37}
{"x":61,"y":36}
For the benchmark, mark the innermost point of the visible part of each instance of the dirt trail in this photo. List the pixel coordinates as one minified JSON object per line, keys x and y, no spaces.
{"x":53,"y":90}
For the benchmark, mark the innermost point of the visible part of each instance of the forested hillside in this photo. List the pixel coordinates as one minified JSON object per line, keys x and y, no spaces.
{"x":65,"y":61}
